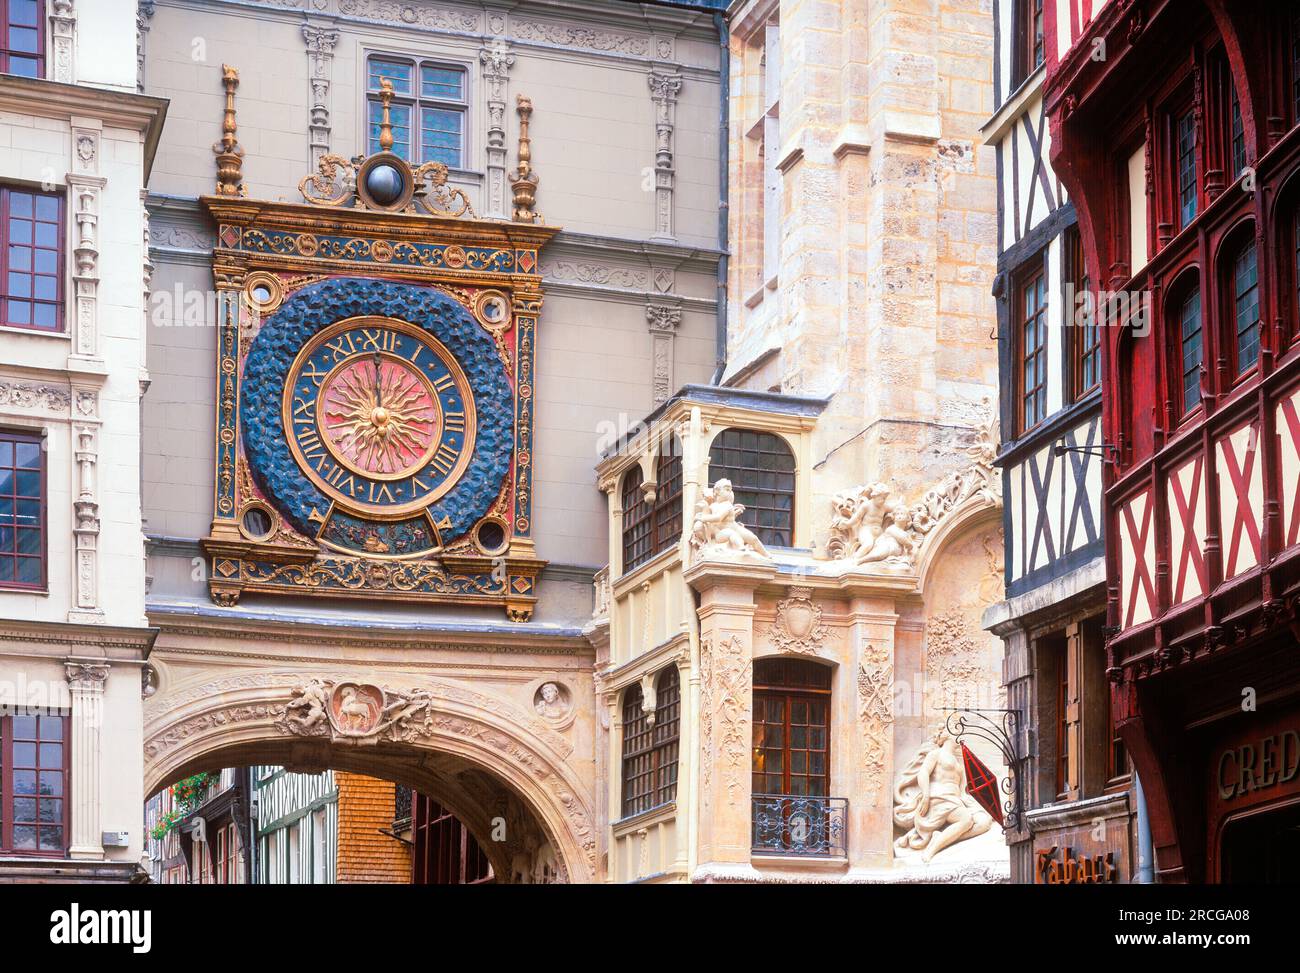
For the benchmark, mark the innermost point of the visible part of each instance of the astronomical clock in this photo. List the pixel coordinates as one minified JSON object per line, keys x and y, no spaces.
{"x":375,"y":387}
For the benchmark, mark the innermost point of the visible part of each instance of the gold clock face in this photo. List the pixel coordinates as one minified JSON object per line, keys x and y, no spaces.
{"x":380,"y":416}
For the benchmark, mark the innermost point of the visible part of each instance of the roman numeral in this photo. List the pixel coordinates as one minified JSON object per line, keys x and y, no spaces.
{"x":379,"y":339}
{"x":444,"y":459}
{"x":341,"y":479}
{"x":381,"y":495}
{"x":444,"y":382}
{"x":454,"y":422}
{"x":310,"y":371}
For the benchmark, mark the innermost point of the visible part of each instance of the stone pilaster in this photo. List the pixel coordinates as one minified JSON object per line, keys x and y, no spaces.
{"x":144,"y":12}
{"x":726,"y":613}
{"x":871,"y":825}
{"x":63,"y":42}
{"x":85,"y":528}
{"x":85,"y":186}
{"x":663,"y":321}
{"x":496,"y":62}
{"x":86,"y":682}
{"x":664,"y":89}
{"x":320,"y":72}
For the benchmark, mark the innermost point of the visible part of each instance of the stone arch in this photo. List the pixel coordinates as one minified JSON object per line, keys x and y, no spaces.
{"x":478,"y":754}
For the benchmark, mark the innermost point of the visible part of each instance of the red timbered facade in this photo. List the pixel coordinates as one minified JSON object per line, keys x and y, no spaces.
{"x":1174,"y":129}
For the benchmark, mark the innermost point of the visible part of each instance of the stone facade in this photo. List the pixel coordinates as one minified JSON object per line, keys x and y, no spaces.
{"x":75,"y":644}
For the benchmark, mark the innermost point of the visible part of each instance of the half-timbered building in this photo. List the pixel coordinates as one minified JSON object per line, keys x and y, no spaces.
{"x":1174,"y":126}
{"x":1072,"y":771}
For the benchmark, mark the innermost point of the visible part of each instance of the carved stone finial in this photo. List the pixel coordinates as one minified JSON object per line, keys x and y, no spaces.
{"x":386,"y":121}
{"x":230,"y":157}
{"x":523,"y":180}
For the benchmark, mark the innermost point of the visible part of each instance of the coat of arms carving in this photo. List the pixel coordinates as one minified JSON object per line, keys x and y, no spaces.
{"x":798,"y":626}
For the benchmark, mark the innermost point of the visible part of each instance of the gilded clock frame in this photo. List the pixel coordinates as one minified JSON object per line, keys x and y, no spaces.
{"x":468,"y":259}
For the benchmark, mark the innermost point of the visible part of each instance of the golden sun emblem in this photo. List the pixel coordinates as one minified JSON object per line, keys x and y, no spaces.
{"x":380,"y":416}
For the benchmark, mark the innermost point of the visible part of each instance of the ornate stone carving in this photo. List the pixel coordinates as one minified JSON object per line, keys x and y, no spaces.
{"x":86,"y":677}
{"x":552,"y":701}
{"x":320,"y":61}
{"x":587,"y":38}
{"x":63,"y":41}
{"x":496,"y":62}
{"x":358,"y":713}
{"x":649,"y":698}
{"x":663,"y":321}
{"x":411,"y":13}
{"x":144,"y":13}
{"x":600,"y":275}
{"x":931,"y":805}
{"x":798,"y":626}
{"x":876,"y":713}
{"x":717,"y":533}
{"x":26,"y":396}
{"x":664,"y":89}
{"x":870,"y":527}
{"x":724,"y":733}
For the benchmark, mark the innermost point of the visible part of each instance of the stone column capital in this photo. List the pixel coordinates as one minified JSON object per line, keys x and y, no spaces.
{"x":86,"y":677}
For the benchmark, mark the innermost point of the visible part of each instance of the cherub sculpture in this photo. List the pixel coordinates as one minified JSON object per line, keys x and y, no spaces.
{"x":717,"y":531}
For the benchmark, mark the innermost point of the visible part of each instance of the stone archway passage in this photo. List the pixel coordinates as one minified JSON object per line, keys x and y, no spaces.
{"x":481,"y":757}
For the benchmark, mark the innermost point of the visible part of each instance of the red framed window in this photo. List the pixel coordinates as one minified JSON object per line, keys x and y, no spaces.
{"x":760,"y":467}
{"x":791,"y":729}
{"x":22,"y":44}
{"x":1031,"y":346}
{"x":1191,"y":351}
{"x":227,"y":856}
{"x":1085,"y":336}
{"x":1236,"y":134}
{"x":31,"y":260}
{"x":1185,"y":172}
{"x":34,"y":784}
{"x":650,"y":752}
{"x":1245,"y":307}
{"x":1295,"y":270}
{"x":22,"y":511}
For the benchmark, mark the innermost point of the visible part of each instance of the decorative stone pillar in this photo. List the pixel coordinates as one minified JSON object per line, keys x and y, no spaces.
{"x":143,"y":14}
{"x":726,"y":613}
{"x":496,"y":62}
{"x":663,"y":321}
{"x":664,"y":89}
{"x":871,"y":635}
{"x":320,"y":71}
{"x":84,"y":188}
{"x":63,"y":42}
{"x":86,"y":681}
{"x":86,"y":508}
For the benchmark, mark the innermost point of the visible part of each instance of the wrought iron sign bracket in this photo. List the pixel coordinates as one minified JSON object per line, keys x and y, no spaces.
{"x":1001,"y":728}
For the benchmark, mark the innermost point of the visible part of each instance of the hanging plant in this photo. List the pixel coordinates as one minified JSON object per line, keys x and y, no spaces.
{"x":187,"y":794}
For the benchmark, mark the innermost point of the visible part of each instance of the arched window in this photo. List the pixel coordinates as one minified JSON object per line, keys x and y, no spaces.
{"x":649,"y":529}
{"x":760,"y":467}
{"x":650,"y":751}
{"x":1189,"y":353}
{"x":1243,"y":291}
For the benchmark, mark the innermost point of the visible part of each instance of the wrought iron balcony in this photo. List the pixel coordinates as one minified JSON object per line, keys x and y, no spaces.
{"x":785,"y":824}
